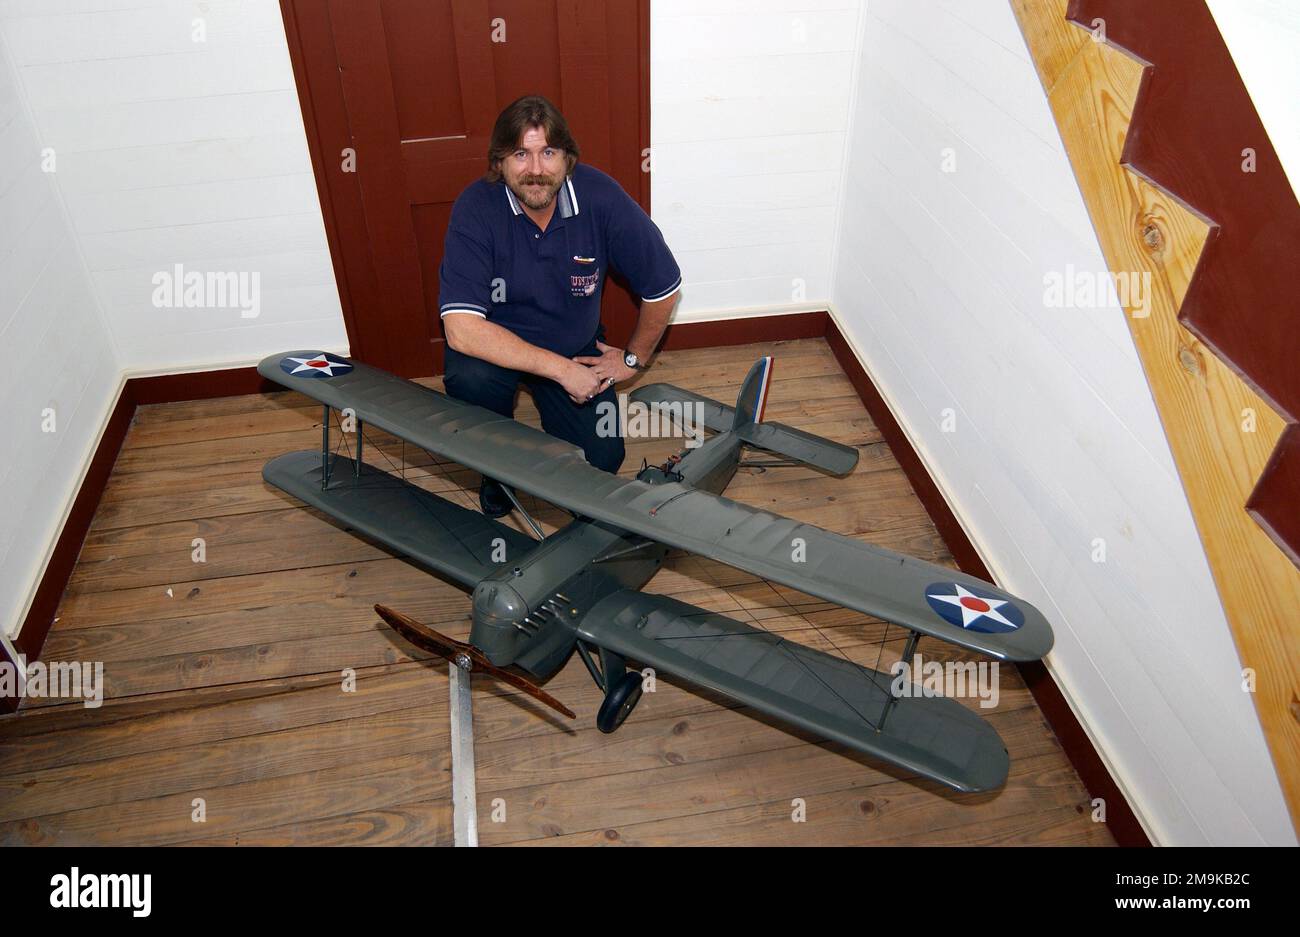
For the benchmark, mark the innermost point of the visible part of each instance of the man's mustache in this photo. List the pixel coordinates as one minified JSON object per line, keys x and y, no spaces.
{"x":537,"y":180}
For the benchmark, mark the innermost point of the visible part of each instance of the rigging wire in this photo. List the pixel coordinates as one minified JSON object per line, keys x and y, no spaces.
{"x":401,"y":475}
{"x":868,"y":675}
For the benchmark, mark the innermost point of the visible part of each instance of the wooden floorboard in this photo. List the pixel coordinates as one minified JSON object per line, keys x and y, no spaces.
{"x":224,"y":678}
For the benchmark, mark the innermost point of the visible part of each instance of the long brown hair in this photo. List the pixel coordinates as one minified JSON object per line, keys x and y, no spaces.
{"x":532,"y":110}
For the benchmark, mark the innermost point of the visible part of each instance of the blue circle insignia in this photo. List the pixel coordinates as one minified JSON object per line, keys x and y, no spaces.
{"x":973,"y":608}
{"x":315,"y":364}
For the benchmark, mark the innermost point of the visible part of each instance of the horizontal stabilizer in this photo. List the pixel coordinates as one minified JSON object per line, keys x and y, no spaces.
{"x":715,"y":416}
{"x":820,"y":453}
{"x":832,"y":697}
{"x":437,"y":534}
{"x":824,"y":454}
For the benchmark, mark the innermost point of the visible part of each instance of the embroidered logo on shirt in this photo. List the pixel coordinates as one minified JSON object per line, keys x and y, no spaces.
{"x":584,"y":285}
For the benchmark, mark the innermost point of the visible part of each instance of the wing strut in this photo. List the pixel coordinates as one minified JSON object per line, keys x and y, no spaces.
{"x":537,"y":531}
{"x":866,"y":675}
{"x":326,"y":454}
{"x":908,"y":650}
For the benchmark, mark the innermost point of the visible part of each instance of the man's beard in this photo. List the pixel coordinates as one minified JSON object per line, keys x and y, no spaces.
{"x":536,"y":197}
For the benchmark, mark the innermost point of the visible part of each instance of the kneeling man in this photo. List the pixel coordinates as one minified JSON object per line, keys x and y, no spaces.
{"x":527,"y":250}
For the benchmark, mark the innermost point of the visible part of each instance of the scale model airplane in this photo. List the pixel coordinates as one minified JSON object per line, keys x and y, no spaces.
{"x":579,"y":587}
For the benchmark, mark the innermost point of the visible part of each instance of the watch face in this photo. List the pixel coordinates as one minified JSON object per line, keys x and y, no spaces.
{"x":631,"y":360}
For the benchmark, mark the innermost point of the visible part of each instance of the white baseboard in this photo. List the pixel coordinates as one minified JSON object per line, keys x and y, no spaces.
{"x":745,"y":312}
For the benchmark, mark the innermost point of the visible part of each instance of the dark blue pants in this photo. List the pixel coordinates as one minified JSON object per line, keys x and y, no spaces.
{"x":493,"y":387}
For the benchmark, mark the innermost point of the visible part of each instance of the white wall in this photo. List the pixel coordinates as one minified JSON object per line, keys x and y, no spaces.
{"x":56,"y":355}
{"x":748,"y":108}
{"x":171,"y":150}
{"x":939,"y":284}
{"x":165,"y":150}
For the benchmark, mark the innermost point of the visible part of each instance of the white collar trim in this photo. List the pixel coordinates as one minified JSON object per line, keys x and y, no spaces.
{"x":567,"y":199}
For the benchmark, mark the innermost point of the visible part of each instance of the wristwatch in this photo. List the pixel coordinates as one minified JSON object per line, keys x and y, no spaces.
{"x":631,"y":360}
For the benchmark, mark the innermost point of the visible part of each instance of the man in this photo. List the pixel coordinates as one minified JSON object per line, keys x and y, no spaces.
{"x":527,"y":250}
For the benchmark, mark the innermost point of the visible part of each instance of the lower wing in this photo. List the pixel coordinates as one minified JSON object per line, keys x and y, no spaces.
{"x":937,"y":738}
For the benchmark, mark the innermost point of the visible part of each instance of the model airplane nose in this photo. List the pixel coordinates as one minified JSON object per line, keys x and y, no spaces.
{"x":498,"y":603}
{"x":499,"y":629}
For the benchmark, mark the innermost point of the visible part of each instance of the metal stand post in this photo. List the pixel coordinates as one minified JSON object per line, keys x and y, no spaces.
{"x":464,"y":805}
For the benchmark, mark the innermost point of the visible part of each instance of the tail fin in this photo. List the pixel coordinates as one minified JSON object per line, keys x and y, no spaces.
{"x":825,"y":454}
{"x":745,"y":423}
{"x":753,"y":394}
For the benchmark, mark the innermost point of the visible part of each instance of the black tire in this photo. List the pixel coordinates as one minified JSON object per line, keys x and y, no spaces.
{"x":619,"y":702}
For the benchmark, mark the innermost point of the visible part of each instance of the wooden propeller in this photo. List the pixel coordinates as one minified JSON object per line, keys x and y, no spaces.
{"x":465,"y":656}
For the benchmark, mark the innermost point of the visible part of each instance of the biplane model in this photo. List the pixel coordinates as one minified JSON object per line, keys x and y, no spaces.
{"x":579,"y":588}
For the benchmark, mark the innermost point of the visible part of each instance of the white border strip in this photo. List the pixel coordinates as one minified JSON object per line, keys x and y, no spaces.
{"x":746,"y":312}
{"x":762,"y":389}
{"x":662,"y":296}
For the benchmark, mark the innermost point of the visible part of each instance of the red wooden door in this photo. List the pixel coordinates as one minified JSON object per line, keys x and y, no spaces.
{"x":399,"y":98}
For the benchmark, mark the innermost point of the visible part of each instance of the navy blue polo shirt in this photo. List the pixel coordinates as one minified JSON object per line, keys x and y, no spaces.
{"x":545,"y":286}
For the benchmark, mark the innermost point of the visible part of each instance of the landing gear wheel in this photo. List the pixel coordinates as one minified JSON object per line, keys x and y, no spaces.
{"x":619,"y":702}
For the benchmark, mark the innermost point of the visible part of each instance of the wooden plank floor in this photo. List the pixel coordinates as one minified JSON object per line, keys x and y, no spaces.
{"x":223,"y":678}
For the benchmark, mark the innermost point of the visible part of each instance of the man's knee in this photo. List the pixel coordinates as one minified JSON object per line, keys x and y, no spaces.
{"x":588,"y":427}
{"x":606,"y":454}
{"x":480,"y":382}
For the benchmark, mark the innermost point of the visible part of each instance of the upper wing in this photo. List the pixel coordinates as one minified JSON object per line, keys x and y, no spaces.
{"x":923,"y":596}
{"x":936,"y":737}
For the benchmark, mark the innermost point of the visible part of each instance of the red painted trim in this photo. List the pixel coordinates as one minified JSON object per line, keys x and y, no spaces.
{"x":298,"y":60}
{"x":54,"y":581}
{"x":1192,"y":121}
{"x":1278,"y":486}
{"x":8,"y":704}
{"x":745,"y":331}
{"x":198,"y":385}
{"x":643,"y":31}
